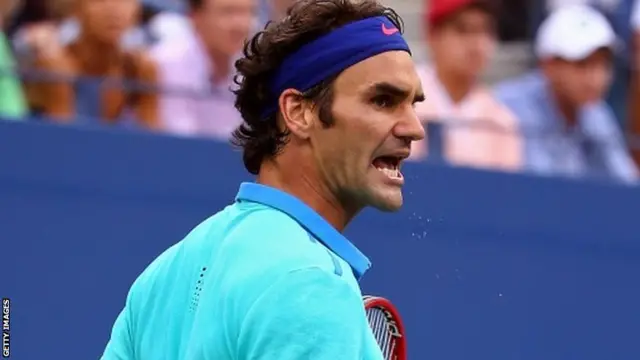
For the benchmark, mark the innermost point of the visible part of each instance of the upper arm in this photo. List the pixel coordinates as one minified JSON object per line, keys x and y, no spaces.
{"x":147,"y":106}
{"x":54,"y":93}
{"x":120,"y":346}
{"x":635,"y":16}
{"x":511,"y":142}
{"x":611,"y":138}
{"x":308,"y":314}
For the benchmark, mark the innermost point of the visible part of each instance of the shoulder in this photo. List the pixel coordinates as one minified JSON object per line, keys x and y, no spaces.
{"x":263,"y":230}
{"x":600,"y":120}
{"x":264,"y":244}
{"x":144,"y":64}
{"x":60,"y":61}
{"x":521,"y":96}
{"x":171,"y":51}
{"x":520,"y":88}
{"x":493,"y":108}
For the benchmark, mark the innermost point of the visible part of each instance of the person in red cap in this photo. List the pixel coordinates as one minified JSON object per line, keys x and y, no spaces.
{"x":479,"y":131}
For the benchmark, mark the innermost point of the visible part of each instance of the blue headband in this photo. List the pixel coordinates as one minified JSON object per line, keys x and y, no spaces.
{"x":332,"y":53}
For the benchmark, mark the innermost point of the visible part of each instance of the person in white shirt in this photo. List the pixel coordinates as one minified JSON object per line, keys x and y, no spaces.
{"x":478,"y":131}
{"x":196,"y":68}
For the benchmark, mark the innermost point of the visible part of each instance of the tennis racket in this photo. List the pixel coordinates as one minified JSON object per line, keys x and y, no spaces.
{"x":387,"y":327}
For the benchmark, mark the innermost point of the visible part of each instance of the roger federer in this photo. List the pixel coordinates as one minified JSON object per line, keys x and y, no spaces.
{"x":327,"y":99}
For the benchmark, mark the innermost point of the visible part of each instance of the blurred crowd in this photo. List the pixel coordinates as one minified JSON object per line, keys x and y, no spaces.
{"x":167,"y":66}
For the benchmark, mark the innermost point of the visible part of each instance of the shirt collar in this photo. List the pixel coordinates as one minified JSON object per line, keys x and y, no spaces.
{"x":310,"y":220}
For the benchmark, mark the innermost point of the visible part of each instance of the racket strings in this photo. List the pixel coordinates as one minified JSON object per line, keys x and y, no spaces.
{"x":379,"y":323}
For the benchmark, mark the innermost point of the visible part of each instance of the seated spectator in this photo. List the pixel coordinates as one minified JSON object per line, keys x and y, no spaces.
{"x":569,"y":129}
{"x":12,"y":102}
{"x":196,"y":69}
{"x":479,"y":131}
{"x":94,"y":77}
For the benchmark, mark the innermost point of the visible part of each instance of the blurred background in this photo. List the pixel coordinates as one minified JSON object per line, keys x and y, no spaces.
{"x":505,"y":93}
{"x":519,"y":238}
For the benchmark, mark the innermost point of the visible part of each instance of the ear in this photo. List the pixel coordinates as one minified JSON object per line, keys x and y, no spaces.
{"x":297,"y":113}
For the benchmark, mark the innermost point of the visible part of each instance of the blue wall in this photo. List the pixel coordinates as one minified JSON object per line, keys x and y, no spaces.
{"x":482,"y":266}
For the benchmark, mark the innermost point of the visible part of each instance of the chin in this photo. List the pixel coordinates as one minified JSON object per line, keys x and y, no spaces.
{"x":388,"y":201}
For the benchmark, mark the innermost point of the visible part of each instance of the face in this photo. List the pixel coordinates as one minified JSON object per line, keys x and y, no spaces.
{"x":581,"y":82}
{"x":279,"y":8}
{"x":108,"y":20}
{"x":360,"y":155}
{"x":465,"y":43}
{"x":224,"y":25}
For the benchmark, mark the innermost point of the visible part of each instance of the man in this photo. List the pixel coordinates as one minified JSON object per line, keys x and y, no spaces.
{"x":97,"y":52}
{"x":12,"y":102}
{"x":196,"y":68}
{"x":569,"y":129}
{"x":326,"y":126}
{"x":478,"y":130}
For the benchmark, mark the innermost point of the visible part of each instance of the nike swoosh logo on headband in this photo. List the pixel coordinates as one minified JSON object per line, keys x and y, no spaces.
{"x":388,"y":31}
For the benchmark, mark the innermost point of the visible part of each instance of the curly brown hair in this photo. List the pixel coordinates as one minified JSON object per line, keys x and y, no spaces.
{"x":307,"y":20}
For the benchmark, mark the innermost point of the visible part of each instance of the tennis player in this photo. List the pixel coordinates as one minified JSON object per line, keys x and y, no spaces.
{"x":327,"y":97}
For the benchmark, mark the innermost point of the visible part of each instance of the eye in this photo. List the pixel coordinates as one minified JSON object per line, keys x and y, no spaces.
{"x":382,"y":101}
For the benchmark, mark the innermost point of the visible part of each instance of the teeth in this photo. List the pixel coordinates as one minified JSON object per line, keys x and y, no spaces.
{"x":392,"y":173}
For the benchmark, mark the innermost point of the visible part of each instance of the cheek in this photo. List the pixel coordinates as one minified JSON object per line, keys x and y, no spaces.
{"x":356,"y":136}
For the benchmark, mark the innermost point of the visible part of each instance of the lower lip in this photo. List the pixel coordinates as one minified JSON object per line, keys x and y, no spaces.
{"x":391,"y":181}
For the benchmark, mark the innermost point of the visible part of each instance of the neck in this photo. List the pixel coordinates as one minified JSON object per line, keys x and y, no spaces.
{"x":456,"y":85}
{"x":221,"y":64}
{"x":306,"y":188}
{"x":95,"y":56}
{"x":567,"y":109}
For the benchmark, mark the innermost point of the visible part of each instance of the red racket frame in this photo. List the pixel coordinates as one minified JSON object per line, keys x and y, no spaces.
{"x":376,"y":301}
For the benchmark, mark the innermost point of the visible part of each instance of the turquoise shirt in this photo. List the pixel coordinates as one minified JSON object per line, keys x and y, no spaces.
{"x":265,"y":278}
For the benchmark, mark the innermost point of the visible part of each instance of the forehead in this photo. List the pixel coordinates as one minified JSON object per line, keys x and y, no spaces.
{"x":468,"y":15}
{"x":599,"y":56}
{"x":393,"y":67}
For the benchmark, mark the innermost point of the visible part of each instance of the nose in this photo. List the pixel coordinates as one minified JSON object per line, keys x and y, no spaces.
{"x":410,"y":127}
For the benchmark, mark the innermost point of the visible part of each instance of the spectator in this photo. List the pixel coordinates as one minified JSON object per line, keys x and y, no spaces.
{"x":12,"y":102}
{"x":480,"y":132}
{"x":569,"y":128}
{"x":618,"y":12}
{"x":92,"y":75}
{"x":196,"y":69}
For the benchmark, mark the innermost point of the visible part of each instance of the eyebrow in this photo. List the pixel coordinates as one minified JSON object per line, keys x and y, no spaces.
{"x":396,"y":91}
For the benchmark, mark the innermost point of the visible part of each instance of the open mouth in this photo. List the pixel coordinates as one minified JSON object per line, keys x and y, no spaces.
{"x":388,"y":165}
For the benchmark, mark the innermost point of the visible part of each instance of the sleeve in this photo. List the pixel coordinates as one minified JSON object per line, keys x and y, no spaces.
{"x":622,"y":165}
{"x":120,"y":346}
{"x":509,"y":145}
{"x":617,"y":157}
{"x":635,"y":16}
{"x":308,"y":314}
